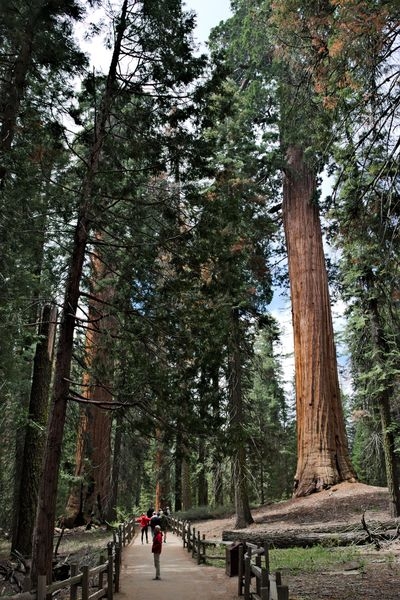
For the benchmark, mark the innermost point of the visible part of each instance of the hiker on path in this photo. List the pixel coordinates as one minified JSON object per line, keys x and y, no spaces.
{"x":164,"y":524}
{"x":155,"y":520}
{"x":156,"y":549}
{"x":144,"y":521}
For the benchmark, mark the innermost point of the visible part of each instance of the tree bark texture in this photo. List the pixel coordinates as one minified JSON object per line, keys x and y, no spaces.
{"x":186,"y":484}
{"x":111,"y":508}
{"x":35,"y":432}
{"x":93,"y":451}
{"x":304,"y":539}
{"x":202,"y":484}
{"x":323,"y":458}
{"x":242,"y":505}
{"x":42,"y":545}
{"x":162,"y":471}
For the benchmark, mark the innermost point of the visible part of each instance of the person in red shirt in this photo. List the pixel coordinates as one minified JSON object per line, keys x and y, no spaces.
{"x":156,"y":549}
{"x":144,"y":521}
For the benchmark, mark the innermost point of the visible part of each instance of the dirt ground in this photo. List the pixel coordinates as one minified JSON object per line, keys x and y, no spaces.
{"x":376,"y":575}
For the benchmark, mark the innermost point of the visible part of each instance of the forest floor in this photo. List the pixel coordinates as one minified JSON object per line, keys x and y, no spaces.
{"x":371,"y":575}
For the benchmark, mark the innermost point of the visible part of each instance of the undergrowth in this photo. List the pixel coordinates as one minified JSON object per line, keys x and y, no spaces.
{"x":310,"y":560}
{"x":305,"y":560}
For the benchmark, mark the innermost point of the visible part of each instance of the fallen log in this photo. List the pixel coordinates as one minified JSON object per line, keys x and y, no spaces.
{"x":300,"y":538}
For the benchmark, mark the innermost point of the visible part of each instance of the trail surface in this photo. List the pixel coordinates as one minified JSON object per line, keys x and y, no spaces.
{"x":181,"y":577}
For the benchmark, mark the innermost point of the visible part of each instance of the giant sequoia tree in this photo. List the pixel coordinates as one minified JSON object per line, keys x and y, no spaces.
{"x":290,"y":109}
{"x":349,"y":49}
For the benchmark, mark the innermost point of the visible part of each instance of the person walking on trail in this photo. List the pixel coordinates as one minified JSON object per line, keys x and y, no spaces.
{"x":156,"y":550}
{"x":155,"y":520}
{"x":144,"y":521}
{"x":164,"y":524}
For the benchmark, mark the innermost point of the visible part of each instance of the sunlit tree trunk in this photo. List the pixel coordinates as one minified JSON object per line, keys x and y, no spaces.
{"x":323,"y":457}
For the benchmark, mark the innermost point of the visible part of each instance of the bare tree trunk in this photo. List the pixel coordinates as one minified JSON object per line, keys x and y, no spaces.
{"x":111,"y":508}
{"x":323,"y":458}
{"x":242,"y":505}
{"x":45,"y":518}
{"x":178,"y":471}
{"x":202,"y":484}
{"x":93,"y":451}
{"x":34,"y":436}
{"x":186,"y":485}
{"x":218,"y":490}
{"x":162,"y":471}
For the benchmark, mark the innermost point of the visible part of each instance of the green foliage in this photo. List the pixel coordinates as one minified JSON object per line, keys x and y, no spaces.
{"x":273,"y":438}
{"x":367,"y":450}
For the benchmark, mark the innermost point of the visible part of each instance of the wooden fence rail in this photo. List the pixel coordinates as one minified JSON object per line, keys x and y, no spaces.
{"x":103,"y":579}
{"x":255,"y":581}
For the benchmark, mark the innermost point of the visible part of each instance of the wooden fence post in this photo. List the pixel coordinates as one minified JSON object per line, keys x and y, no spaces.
{"x":198,"y":548}
{"x":110,"y":572}
{"x":193,"y":542}
{"x":117,"y":561}
{"x":266,"y":562}
{"x":258,"y":581}
{"x":263,"y":585}
{"x":73,"y":591}
{"x":240,"y":570}
{"x":102,"y":560}
{"x":282,"y":590}
{"x":184,"y":533}
{"x":85,"y":582}
{"x":247,"y":574}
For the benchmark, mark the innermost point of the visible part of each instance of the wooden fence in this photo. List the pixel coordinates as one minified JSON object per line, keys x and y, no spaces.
{"x":93,"y":582}
{"x":255,"y":581}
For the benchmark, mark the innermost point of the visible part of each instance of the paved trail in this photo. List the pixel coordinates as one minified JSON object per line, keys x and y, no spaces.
{"x":181,"y":577}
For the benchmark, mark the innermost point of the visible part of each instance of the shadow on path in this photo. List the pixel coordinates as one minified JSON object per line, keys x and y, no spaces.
{"x":181,"y":577}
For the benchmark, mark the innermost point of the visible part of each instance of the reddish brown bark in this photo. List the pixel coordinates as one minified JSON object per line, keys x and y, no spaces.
{"x":93,"y":451}
{"x":323,"y":457}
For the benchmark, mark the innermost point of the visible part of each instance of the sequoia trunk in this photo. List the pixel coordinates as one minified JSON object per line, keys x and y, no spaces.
{"x":323,"y":457}
{"x":93,"y":452}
